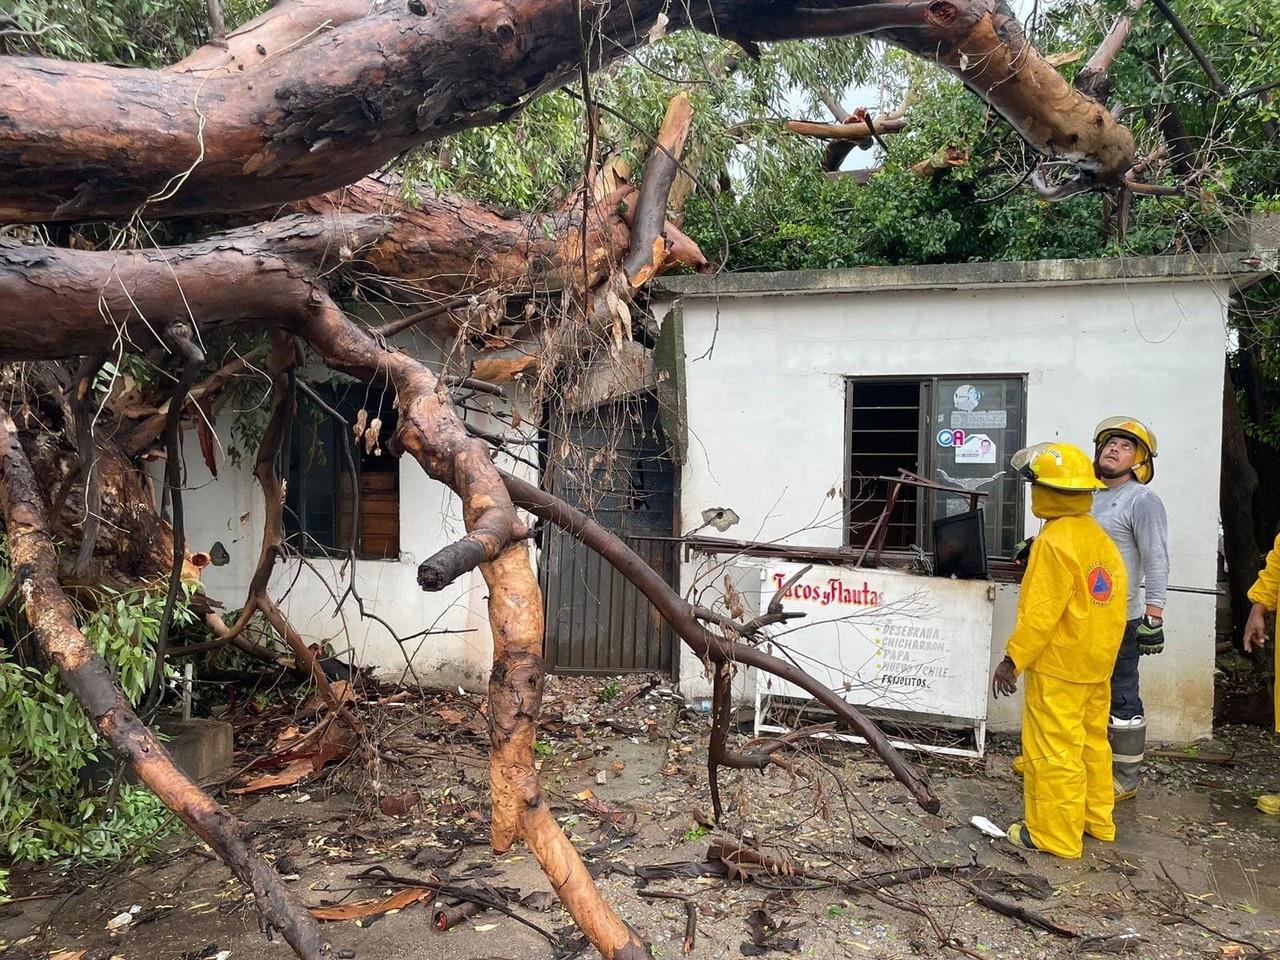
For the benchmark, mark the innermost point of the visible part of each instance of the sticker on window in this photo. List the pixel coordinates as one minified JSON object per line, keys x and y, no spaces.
{"x":979,"y":419}
{"x":967,"y":397}
{"x":977,"y":448}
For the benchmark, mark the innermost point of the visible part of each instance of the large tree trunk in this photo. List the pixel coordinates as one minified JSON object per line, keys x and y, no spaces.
{"x":84,"y":141}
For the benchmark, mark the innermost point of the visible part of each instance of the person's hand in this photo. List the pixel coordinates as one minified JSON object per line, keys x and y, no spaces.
{"x":1150,"y":635}
{"x":1022,"y":550}
{"x":1005,"y":680}
{"x":1255,"y":628}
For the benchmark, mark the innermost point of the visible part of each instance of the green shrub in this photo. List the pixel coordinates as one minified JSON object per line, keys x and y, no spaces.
{"x":47,"y":812}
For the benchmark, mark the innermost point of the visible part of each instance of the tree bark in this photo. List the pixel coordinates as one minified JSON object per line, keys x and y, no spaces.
{"x":87,"y":676}
{"x":85,"y":141}
{"x":363,"y":233}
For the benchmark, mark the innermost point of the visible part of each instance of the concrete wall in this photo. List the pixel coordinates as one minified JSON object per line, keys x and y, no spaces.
{"x":230,"y":509}
{"x":766,"y":394}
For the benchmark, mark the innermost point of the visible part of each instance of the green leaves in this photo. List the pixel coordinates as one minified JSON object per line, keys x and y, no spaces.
{"x":46,"y":811}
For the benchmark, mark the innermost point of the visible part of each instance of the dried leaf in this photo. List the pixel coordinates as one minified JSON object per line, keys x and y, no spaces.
{"x":371,"y":435}
{"x":450,"y":716}
{"x":399,"y":805}
{"x":620,"y":315}
{"x":362,"y":418}
{"x":202,"y":415}
{"x":294,"y":772}
{"x":364,"y":909}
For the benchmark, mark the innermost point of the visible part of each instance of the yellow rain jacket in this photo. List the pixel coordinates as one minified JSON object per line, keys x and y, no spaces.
{"x":1266,"y":591}
{"x":1068,"y":625}
{"x":1071,"y":619}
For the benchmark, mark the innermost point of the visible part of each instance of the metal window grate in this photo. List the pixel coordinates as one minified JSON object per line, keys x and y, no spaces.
{"x":894,"y":424}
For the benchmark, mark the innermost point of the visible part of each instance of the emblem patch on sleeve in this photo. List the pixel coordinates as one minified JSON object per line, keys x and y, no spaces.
{"x":1100,"y":584}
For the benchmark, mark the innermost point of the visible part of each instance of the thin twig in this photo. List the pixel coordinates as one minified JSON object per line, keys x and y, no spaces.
{"x":178,"y":336}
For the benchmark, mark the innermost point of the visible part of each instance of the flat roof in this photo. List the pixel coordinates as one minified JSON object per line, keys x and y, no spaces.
{"x":1242,"y":269}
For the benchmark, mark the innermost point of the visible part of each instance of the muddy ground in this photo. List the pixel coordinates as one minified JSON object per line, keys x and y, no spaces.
{"x":1195,"y":871}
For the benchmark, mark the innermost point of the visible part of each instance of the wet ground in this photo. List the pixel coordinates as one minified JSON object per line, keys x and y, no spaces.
{"x":1193,"y":873}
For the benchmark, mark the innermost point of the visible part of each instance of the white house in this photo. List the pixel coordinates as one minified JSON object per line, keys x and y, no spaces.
{"x":795,"y":381}
{"x":767,"y":388}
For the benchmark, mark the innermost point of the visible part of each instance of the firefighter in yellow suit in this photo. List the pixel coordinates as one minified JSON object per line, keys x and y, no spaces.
{"x":1071,"y":619}
{"x":1265,"y":593}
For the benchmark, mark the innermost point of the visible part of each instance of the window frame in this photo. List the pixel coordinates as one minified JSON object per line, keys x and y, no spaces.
{"x":295,"y":513}
{"x":926,"y":451}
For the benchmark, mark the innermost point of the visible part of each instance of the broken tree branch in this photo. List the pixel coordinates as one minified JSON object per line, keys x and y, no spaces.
{"x":679,"y":613}
{"x":1215,"y":79}
{"x":209,"y":137}
{"x":89,"y":679}
{"x":855,"y":132}
{"x":86,"y":462}
{"x":145,"y":432}
{"x":281,"y":366}
{"x":1094,"y":79}
{"x":647,"y":253}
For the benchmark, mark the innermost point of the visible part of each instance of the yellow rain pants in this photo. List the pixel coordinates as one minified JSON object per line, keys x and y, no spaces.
{"x":1070,"y":623}
{"x":1066,"y":788}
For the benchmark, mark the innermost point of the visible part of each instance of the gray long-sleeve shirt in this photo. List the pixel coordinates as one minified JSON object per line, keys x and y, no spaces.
{"x":1134,"y":517}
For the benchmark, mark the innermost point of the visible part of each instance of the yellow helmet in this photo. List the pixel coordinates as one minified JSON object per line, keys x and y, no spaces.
{"x":1144,"y":464}
{"x":1062,"y":466}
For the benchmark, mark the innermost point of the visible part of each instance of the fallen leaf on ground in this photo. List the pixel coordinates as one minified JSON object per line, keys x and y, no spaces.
{"x":363,"y":909}
{"x":402,"y":804}
{"x":335,"y":741}
{"x":294,"y":772}
{"x":451,"y":716}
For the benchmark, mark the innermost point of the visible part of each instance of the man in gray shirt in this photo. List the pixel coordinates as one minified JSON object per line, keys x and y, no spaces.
{"x":1133,"y":516}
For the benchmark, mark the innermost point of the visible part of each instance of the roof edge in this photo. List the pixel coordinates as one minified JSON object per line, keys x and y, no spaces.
{"x":1242,"y":268}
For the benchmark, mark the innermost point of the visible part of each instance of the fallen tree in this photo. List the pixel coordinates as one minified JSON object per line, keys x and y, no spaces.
{"x":342,"y":91}
{"x":312,"y":97}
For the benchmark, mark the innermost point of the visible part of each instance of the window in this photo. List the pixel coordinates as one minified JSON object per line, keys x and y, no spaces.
{"x":320,"y":497}
{"x":957,"y":431}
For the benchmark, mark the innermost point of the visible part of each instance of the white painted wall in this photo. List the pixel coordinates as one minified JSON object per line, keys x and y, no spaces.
{"x":230,"y":509}
{"x":767,"y":422}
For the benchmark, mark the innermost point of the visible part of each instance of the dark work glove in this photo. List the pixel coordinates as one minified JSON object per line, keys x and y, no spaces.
{"x":1150,"y":635}
{"x":1005,"y":680}
{"x":1022,"y":550}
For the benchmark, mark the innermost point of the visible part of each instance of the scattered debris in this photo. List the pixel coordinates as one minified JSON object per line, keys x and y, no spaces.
{"x":364,"y":909}
{"x":767,"y":935}
{"x":987,"y":827}
{"x":406,"y":822}
{"x":400,"y":804}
